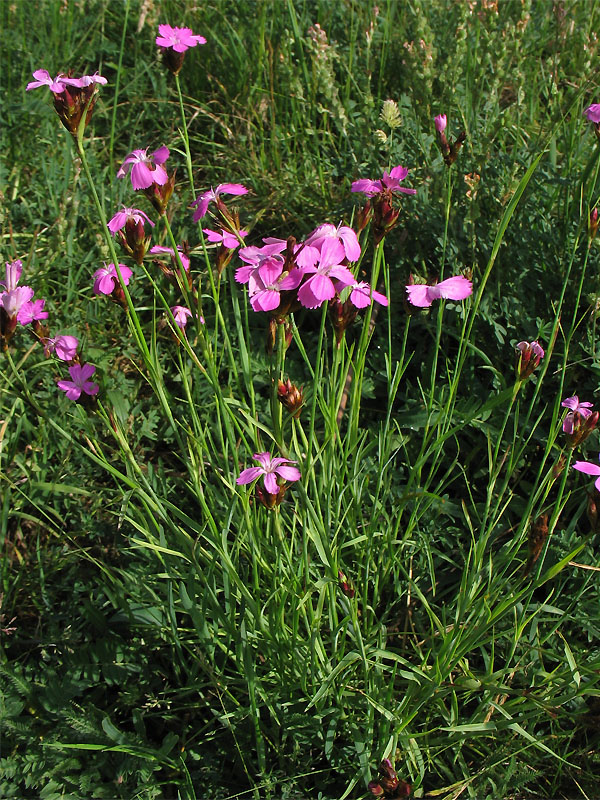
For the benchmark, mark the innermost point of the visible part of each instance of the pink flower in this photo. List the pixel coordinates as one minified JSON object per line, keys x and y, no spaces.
{"x":266,"y":283}
{"x":14,"y":300}
{"x":146,"y":169}
{"x":342,"y":233}
{"x":65,"y":347}
{"x":270,"y":468}
{"x":320,"y":286}
{"x":361,"y":295}
{"x":212,"y":196}
{"x":440,"y":123}
{"x":87,"y":80}
{"x":184,"y":259}
{"x":181,"y":314}
{"x":13,"y":274}
{"x":585,"y":409}
{"x":33,"y":310}
{"x":390,"y":181}
{"x":456,"y":288}
{"x":226,"y":238}
{"x":593,"y":113}
{"x":576,"y":408}
{"x":57,"y":85}
{"x":106,"y":279}
{"x":177,"y":38}
{"x":589,"y":469}
{"x":121,"y":218}
{"x":80,"y":374}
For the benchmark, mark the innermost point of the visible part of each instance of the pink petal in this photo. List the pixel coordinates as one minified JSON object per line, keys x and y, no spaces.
{"x":418,"y":295}
{"x":289,"y":473}
{"x":271,"y":483}
{"x":456,"y":288}
{"x":73,"y":391}
{"x":141,"y":176}
{"x":587,"y":467}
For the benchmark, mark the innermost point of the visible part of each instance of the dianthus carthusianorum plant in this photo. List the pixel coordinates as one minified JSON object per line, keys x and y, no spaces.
{"x":342,"y":546}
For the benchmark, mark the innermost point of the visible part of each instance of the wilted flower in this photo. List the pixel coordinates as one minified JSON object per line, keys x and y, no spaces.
{"x":456,"y":288}
{"x":382,"y":192}
{"x":270,"y":468}
{"x":145,"y":169}
{"x":80,"y":375}
{"x":13,"y":301}
{"x":529,"y":355}
{"x":121,"y":218}
{"x":389,"y":786}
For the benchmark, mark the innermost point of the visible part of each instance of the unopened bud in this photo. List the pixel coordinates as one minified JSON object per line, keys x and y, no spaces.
{"x":529,"y":355}
{"x":291,"y":397}
{"x":346,"y":585}
{"x":593,"y":224}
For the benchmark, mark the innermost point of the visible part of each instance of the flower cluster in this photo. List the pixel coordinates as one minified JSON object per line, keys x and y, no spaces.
{"x":16,"y":302}
{"x":17,"y":307}
{"x":72,"y":96}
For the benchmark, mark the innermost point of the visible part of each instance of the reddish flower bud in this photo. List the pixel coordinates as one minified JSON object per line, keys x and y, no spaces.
{"x":345,"y":585}
{"x":529,"y":355}
{"x":341,"y":315}
{"x":593,"y":221}
{"x":159,"y":196}
{"x":291,"y":397}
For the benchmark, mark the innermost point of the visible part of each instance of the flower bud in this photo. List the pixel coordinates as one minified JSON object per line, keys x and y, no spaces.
{"x":593,"y":224}
{"x":341,"y":315}
{"x":345,"y":585}
{"x":440,"y":122}
{"x":529,"y":355}
{"x":159,"y":196}
{"x":291,"y":397}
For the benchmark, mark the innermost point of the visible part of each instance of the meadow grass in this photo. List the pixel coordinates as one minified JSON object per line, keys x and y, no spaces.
{"x":427,"y":591}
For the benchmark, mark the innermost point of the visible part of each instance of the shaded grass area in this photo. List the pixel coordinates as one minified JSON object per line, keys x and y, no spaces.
{"x":133,"y":673}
